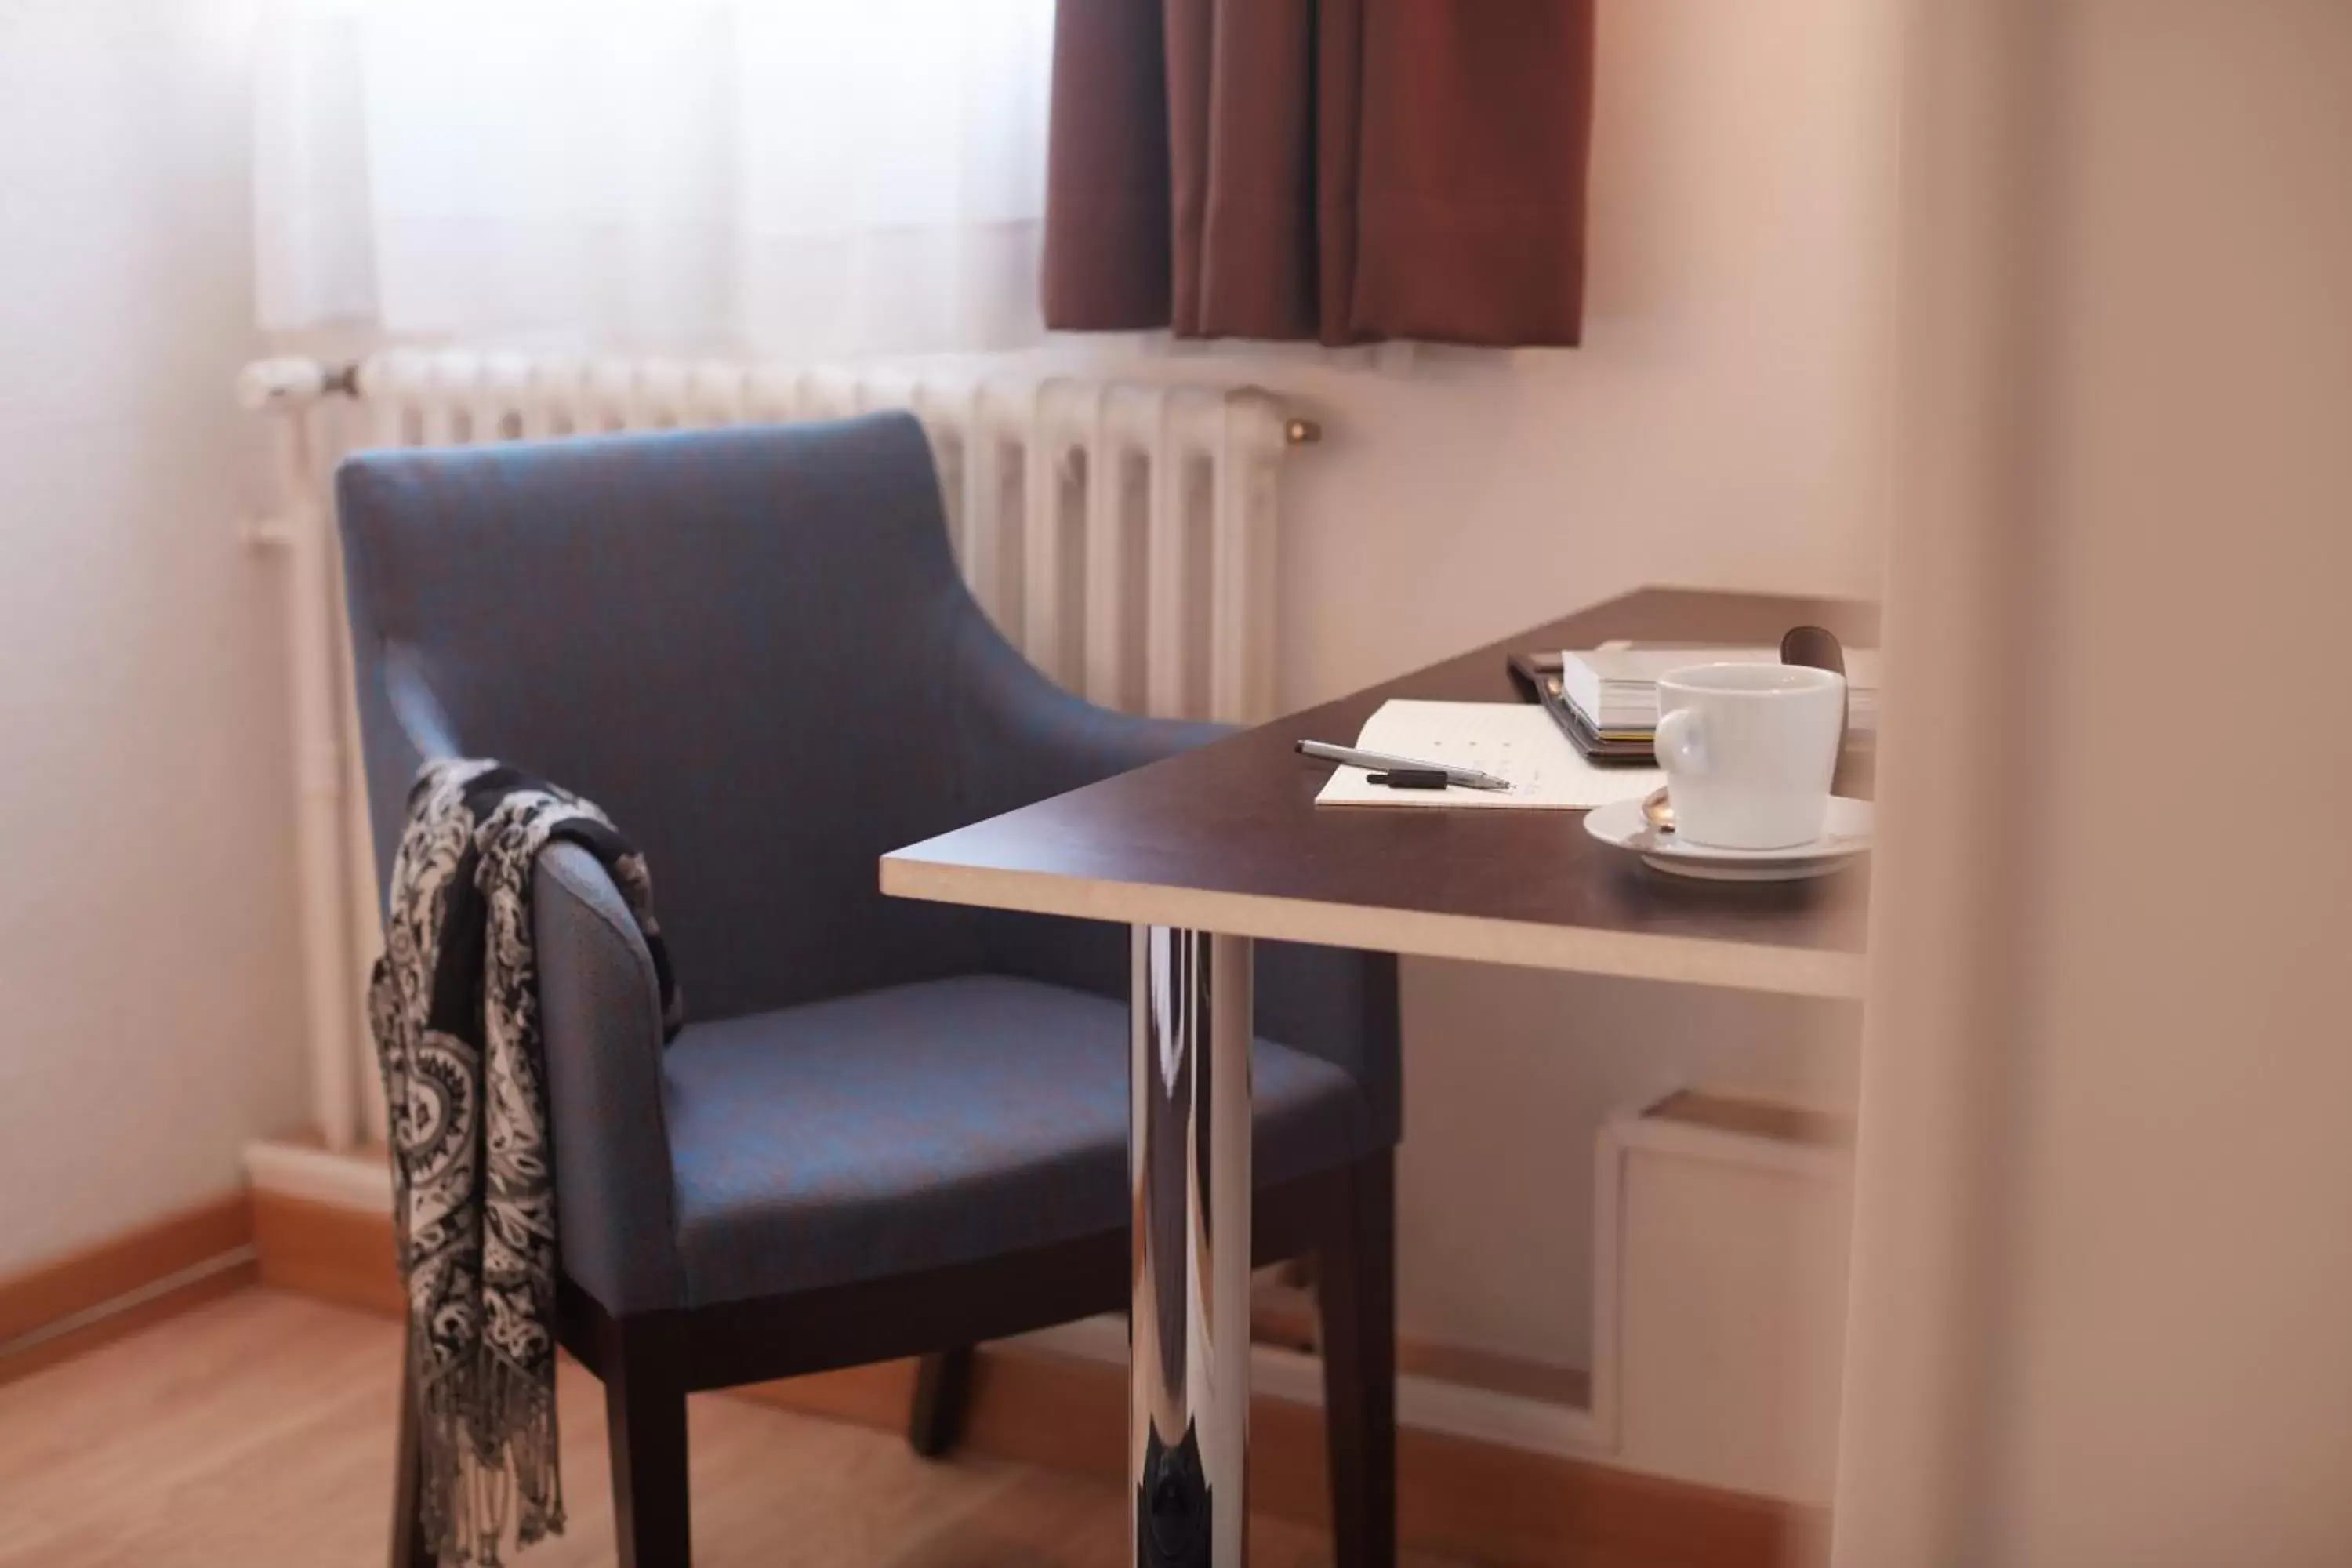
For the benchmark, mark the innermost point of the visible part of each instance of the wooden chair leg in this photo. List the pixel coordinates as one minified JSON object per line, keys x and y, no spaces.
{"x":645,"y":1416}
{"x":942,"y":1393}
{"x":1357,"y":1294}
{"x":410,"y":1548}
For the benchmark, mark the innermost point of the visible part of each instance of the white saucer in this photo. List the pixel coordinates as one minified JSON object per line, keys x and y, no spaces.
{"x":1845,"y":838}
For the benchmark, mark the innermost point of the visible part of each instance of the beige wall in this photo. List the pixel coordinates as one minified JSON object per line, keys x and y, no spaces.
{"x":2134,"y":1341}
{"x":2178,"y":1378}
{"x":1721,"y":426}
{"x":147,"y":997}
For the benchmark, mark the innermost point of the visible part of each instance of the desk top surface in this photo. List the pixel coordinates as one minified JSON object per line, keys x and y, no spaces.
{"x":1228,"y":838}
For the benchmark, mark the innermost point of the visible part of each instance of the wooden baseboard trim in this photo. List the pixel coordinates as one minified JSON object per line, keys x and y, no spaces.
{"x":86,"y":1299}
{"x":1455,"y":1496}
{"x":326,"y":1250}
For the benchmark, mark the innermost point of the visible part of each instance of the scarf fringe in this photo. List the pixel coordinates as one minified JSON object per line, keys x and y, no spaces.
{"x":489,"y":1457}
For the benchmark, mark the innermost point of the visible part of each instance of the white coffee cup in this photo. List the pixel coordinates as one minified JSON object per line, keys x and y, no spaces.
{"x":1749,"y":750}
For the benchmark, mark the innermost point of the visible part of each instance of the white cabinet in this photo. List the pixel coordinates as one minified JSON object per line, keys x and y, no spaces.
{"x":1721,"y":1293}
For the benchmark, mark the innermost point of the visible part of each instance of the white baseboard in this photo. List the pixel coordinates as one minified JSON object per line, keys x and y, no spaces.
{"x":357,"y":1179}
{"x":1427,"y":1403}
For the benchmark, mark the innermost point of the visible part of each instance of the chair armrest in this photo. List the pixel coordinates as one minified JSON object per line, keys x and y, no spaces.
{"x":600,"y":1014}
{"x":1021,"y":738}
{"x":1025,"y":738}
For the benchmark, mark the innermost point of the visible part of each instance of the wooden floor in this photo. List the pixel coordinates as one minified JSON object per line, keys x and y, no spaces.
{"x":258,"y":1431}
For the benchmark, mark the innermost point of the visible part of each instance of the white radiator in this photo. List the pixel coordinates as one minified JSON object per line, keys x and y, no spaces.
{"x":1120,"y":534}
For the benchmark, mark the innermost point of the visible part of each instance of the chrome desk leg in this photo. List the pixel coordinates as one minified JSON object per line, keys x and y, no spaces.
{"x":1189,"y":1171}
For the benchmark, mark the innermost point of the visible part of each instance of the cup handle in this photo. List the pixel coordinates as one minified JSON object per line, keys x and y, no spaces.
{"x":1680,"y":743}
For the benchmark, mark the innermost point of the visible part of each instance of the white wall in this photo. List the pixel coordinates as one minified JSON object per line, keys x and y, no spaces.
{"x":1721,"y":426}
{"x":2183,"y":1141}
{"x":148,"y":1018}
{"x":2103,"y":1269}
{"x":2184,"y":1147}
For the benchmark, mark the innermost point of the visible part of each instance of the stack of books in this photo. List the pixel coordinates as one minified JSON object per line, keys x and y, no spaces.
{"x":1607,"y":699}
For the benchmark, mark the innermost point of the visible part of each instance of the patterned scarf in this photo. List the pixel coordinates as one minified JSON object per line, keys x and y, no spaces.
{"x":454,"y":1007}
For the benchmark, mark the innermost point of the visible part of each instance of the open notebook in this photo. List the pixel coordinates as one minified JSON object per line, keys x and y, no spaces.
{"x":1516,"y":741}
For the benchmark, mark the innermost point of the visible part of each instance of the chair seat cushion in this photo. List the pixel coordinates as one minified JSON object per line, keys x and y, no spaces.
{"x":931,"y":1124}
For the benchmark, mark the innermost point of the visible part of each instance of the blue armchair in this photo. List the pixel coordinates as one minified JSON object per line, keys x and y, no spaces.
{"x":889,"y":1128}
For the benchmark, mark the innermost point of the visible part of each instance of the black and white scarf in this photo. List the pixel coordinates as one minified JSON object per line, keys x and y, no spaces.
{"x":454,"y":1007}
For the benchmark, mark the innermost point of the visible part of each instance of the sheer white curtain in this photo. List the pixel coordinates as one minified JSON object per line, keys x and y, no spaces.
{"x":808,"y":179}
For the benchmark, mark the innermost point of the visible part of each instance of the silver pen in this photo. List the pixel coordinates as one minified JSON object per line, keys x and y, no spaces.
{"x":1468,"y":778}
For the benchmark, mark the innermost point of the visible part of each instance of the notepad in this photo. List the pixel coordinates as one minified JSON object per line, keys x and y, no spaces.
{"x":1516,"y":741}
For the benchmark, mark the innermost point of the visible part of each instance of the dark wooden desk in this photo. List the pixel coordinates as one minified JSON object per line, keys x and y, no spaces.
{"x":1209,"y":849}
{"x":1227,"y":839}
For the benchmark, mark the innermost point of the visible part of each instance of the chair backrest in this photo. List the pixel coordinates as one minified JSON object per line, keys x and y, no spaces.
{"x":746,"y":645}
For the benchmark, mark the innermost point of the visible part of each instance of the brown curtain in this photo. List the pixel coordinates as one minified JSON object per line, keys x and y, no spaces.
{"x":1340,"y":169}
